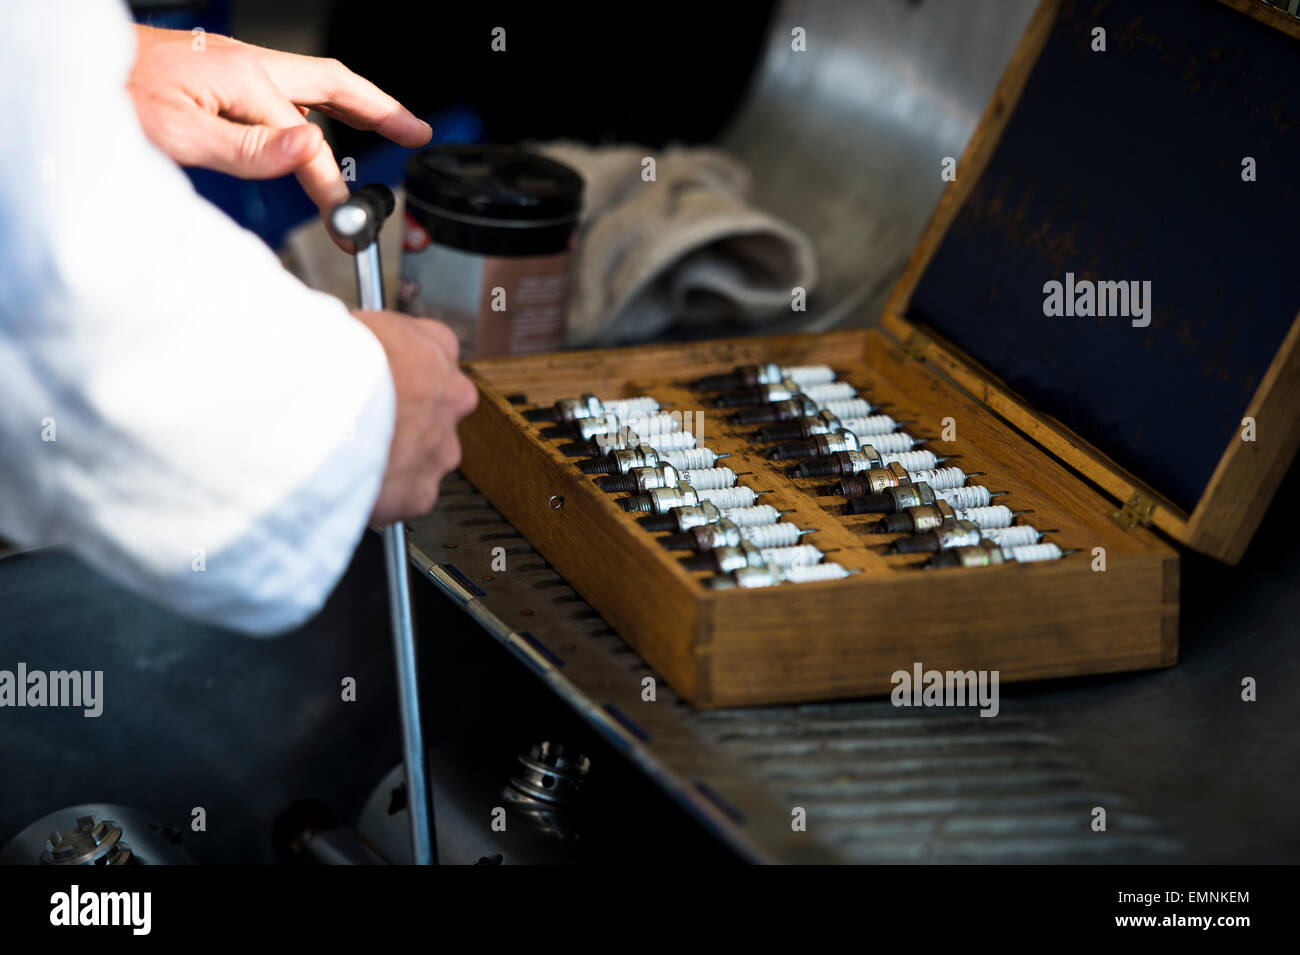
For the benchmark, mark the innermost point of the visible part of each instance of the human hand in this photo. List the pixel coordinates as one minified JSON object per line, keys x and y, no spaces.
{"x":241,"y":109}
{"x":432,"y":396}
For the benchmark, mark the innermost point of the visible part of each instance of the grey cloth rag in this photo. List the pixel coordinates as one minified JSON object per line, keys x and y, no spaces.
{"x":685,"y":248}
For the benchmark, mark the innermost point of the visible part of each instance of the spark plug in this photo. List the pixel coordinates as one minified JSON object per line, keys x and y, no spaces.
{"x":724,"y":560}
{"x":801,"y":406}
{"x":784,"y":390}
{"x":728,"y":497}
{"x":682,"y":519}
{"x":589,"y":406}
{"x":865,"y":458}
{"x":986,"y":554}
{"x":584,"y":429}
{"x":624,"y":438}
{"x":748,"y":376}
{"x":622,"y":460}
{"x":895,"y":499}
{"x":819,"y":445}
{"x":726,"y":533}
{"x":824,"y":422}
{"x":967,"y":534}
{"x":875,"y":480}
{"x":918,"y":520}
{"x":770,"y":576}
{"x":640,"y":479}
{"x":665,"y":475}
{"x":892,"y":499}
{"x":660,"y":500}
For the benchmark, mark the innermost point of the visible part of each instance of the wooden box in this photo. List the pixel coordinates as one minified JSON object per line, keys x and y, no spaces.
{"x":966,"y":338}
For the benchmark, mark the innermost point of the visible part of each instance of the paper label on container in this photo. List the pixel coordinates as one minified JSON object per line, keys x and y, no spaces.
{"x":495,"y":305}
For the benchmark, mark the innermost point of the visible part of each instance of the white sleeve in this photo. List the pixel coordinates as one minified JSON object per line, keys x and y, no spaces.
{"x":174,"y":406}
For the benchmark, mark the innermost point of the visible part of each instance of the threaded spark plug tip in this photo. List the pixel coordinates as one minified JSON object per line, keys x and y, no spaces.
{"x":914,"y":545}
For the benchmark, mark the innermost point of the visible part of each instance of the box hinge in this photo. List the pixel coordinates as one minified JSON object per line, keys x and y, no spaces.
{"x":914,"y":348}
{"x":1136,"y":512}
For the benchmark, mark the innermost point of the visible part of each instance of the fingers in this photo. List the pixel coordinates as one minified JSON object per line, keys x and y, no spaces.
{"x":442,"y":335}
{"x":261,"y":101}
{"x":240,"y":149}
{"x":329,"y":86}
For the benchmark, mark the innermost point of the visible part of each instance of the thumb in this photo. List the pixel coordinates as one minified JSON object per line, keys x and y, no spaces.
{"x":248,"y":151}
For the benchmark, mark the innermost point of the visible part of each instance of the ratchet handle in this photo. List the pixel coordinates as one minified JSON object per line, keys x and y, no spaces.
{"x":360,"y":217}
{"x":359,"y":220}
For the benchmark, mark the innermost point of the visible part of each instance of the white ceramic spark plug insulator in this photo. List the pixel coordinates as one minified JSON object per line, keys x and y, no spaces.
{"x":780,"y":534}
{"x":998,"y":515}
{"x":976,"y":495}
{"x":1017,"y":535}
{"x":911,"y":460}
{"x":725,"y":497}
{"x":939,"y":479}
{"x":830,"y":391}
{"x":1035,"y":552}
{"x":709,"y":479}
{"x":800,"y":555}
{"x":809,"y":374}
{"x":751,"y":516}
{"x":690,"y":458}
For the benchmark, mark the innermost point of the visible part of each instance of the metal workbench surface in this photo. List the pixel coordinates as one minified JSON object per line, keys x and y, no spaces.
{"x":1186,"y":770}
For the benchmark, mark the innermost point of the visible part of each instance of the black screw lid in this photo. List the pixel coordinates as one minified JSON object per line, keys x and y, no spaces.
{"x":494,"y":182}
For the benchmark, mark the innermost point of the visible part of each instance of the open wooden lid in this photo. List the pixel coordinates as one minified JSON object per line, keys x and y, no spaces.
{"x":1155,"y":183}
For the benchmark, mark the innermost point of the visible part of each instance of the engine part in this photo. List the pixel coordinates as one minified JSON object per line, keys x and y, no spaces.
{"x":640,"y":479}
{"x":96,"y":834}
{"x":986,"y":553}
{"x":784,"y":390}
{"x":660,"y":500}
{"x":876,"y":480}
{"x":825,"y":422}
{"x":770,"y":575}
{"x":917,"y":520}
{"x":892,"y":499}
{"x":643,"y":455}
{"x":723,"y":560}
{"x":681,"y":519}
{"x":589,"y":406}
{"x":726,"y":533}
{"x":966,"y":533}
{"x":729,"y":497}
{"x":801,"y":406}
{"x":625,"y":438}
{"x":748,"y":376}
{"x":819,"y":445}
{"x":584,"y":429}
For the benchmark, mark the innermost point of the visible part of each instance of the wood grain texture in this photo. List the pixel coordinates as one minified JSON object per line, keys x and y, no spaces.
{"x":839,"y":638}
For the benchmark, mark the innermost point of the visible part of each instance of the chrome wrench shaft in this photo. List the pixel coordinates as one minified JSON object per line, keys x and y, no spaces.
{"x":359,"y":219}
